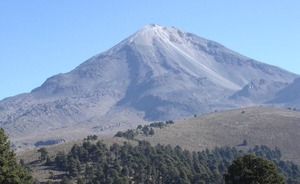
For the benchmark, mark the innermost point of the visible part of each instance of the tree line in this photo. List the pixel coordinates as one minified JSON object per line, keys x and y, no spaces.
{"x":146,"y":130}
{"x":143,"y":163}
{"x":124,"y":163}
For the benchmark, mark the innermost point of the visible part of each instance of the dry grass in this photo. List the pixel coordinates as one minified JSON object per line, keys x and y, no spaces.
{"x":274,"y":127}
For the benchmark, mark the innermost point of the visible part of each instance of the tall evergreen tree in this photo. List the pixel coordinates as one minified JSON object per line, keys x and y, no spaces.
{"x":10,"y":171}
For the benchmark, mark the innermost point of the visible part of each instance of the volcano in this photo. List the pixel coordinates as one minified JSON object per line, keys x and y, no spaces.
{"x":158,"y":73}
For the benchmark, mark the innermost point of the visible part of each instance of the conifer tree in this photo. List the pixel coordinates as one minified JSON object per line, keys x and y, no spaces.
{"x":250,"y":169}
{"x":44,"y":153}
{"x":10,"y":171}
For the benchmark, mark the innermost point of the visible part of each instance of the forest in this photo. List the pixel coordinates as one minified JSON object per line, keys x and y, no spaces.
{"x":94,"y":162}
{"x":143,"y":163}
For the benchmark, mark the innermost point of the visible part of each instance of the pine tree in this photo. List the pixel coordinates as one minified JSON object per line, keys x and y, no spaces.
{"x":44,"y":153}
{"x":10,"y":171}
{"x":61,"y":161}
{"x":151,"y":132}
{"x":250,"y":169}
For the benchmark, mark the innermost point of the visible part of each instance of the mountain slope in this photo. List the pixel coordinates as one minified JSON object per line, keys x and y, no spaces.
{"x":158,"y":73}
{"x":289,"y":96}
{"x":255,"y":92}
{"x":271,"y":126}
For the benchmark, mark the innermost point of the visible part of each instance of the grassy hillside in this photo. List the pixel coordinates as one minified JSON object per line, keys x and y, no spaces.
{"x":271,"y":126}
{"x":274,"y":127}
{"x":97,"y":162}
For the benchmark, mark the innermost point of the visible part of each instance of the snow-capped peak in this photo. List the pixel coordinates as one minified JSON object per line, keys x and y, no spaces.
{"x":151,"y":32}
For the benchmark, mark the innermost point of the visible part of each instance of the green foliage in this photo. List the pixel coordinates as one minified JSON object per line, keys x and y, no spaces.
{"x":10,"y":171}
{"x":61,"y":161}
{"x":91,"y":138}
{"x":170,"y":122}
{"x":158,"y":124}
{"x":97,"y":163}
{"x":129,"y":134}
{"x":44,"y":153}
{"x":250,"y":169}
{"x":151,"y":131}
{"x":143,"y":130}
{"x":147,"y":130}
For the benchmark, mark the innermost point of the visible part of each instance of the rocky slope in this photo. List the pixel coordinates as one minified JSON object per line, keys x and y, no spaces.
{"x":158,"y":73}
{"x":289,"y":96}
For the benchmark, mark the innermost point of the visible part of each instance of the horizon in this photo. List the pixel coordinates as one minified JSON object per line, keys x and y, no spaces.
{"x":40,"y":40}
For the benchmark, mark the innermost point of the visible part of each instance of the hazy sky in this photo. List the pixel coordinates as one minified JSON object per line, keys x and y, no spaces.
{"x":40,"y":38}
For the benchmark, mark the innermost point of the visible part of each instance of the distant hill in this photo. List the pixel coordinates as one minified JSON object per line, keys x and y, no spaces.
{"x":158,"y":73}
{"x":271,"y":126}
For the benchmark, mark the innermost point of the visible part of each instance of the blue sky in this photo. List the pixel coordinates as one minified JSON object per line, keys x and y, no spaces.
{"x":40,"y":38}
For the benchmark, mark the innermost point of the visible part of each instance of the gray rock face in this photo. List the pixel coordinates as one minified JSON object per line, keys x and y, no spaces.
{"x":258,"y":91}
{"x":158,"y":73}
{"x":289,"y":96}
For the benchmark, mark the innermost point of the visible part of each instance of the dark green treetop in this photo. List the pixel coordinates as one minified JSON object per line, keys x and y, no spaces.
{"x":250,"y":169}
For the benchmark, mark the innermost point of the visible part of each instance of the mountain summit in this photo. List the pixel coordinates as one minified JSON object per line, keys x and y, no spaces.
{"x":158,"y":73}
